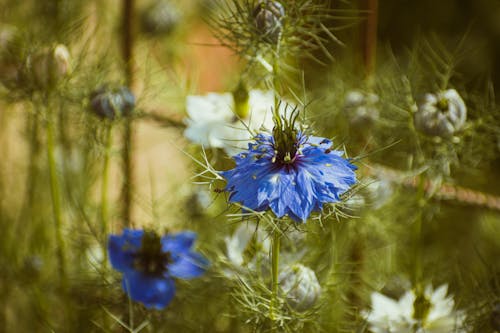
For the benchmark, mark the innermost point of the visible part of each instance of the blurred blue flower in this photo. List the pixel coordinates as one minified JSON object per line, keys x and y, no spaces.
{"x":150,"y":263}
{"x":289,"y":172}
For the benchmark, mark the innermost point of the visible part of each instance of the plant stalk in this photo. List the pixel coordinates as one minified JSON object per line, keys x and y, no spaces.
{"x":417,"y":234}
{"x":275,"y":257}
{"x":105,"y":186}
{"x":56,"y":195}
{"x":128,"y":42}
{"x":370,"y":37}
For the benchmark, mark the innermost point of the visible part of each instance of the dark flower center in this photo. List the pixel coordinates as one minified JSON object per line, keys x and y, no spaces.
{"x":150,"y":259}
{"x":421,"y":307}
{"x":442,"y":105}
{"x":285,"y":134}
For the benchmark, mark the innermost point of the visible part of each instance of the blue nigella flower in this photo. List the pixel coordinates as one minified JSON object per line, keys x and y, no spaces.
{"x":289,"y":172}
{"x":150,"y":263}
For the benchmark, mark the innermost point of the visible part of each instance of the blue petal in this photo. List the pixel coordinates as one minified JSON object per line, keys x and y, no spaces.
{"x":179,"y":242}
{"x":319,"y":141}
{"x":153,"y":292}
{"x":121,"y":249}
{"x":317,"y":176}
{"x":188,"y":265}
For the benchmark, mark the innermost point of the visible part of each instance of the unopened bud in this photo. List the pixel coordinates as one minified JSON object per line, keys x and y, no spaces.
{"x":112,"y":104}
{"x":268,"y":16}
{"x":241,"y":97}
{"x":361,"y":108}
{"x":10,"y":57}
{"x":160,"y":18}
{"x":300,"y":285}
{"x":50,"y":66}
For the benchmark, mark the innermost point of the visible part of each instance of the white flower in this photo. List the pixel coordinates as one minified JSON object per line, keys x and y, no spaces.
{"x":246,"y":246}
{"x":361,"y":107}
{"x":213,"y":123}
{"x":441,"y":114}
{"x":391,"y":316}
{"x":378,"y":192}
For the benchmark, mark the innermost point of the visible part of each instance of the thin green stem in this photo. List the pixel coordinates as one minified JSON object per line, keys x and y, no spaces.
{"x":105,"y":185}
{"x":417,"y":234}
{"x":55,"y":194}
{"x":275,"y":257}
{"x":127,"y":51}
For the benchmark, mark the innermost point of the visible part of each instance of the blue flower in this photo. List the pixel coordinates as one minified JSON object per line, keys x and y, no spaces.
{"x":289,"y":172}
{"x":150,"y":263}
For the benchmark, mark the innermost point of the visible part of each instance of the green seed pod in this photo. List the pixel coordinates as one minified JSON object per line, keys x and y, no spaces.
{"x":441,"y":114}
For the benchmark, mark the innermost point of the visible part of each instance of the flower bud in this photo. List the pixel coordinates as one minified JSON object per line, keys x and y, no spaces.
{"x":267,"y":17}
{"x":300,"y":285}
{"x":241,"y":98}
{"x":10,"y":63}
{"x":50,"y":66}
{"x":160,"y":18}
{"x":111,"y":104}
{"x":360,"y":108}
{"x":441,"y":114}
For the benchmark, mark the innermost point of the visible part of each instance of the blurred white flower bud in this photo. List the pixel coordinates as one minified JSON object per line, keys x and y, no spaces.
{"x":300,"y":285}
{"x":361,"y":108}
{"x":61,"y":61}
{"x":441,"y":114}
{"x":378,"y":192}
{"x":160,"y":18}
{"x":50,"y":66}
{"x":245,"y":245}
{"x":354,"y":204}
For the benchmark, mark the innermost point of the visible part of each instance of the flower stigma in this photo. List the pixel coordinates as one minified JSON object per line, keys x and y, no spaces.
{"x":286,"y":145}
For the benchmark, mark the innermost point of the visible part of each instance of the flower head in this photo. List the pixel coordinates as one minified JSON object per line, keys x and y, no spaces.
{"x":361,"y":108}
{"x":228,"y":120}
{"x":50,"y":66}
{"x":431,"y":312}
{"x":150,"y":263}
{"x":246,"y":246}
{"x":300,"y":285}
{"x":268,"y":16}
{"x":441,"y":114}
{"x":112,"y":103}
{"x":160,"y":18}
{"x":289,"y":172}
